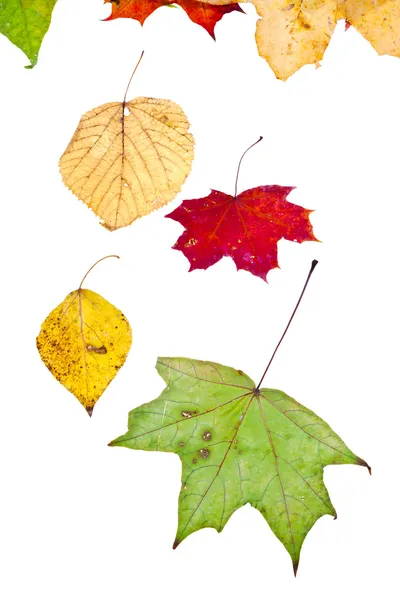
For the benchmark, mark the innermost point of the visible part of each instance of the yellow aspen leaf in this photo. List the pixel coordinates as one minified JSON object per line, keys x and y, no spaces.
{"x":293,"y":33}
{"x":128,"y":158}
{"x":84,"y":342}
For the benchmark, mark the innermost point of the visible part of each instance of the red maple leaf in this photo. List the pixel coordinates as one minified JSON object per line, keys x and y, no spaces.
{"x":206,"y":15}
{"x":246,"y":227}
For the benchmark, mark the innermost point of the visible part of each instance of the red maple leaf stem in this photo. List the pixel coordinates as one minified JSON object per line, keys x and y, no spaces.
{"x":240,"y":162}
{"x":313,"y":265}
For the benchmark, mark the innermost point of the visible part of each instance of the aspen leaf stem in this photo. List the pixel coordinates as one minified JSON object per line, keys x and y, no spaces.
{"x":93,"y":266}
{"x":240,"y":162}
{"x":313,"y":265}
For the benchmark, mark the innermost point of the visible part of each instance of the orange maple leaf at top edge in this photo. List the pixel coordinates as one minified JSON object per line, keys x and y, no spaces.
{"x":201,"y":13}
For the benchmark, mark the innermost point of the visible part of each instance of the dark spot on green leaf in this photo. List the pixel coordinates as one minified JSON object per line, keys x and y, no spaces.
{"x":204,"y":452}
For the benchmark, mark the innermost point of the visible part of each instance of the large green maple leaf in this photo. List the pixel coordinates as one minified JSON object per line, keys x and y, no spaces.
{"x":238,"y":445}
{"x":25,"y":23}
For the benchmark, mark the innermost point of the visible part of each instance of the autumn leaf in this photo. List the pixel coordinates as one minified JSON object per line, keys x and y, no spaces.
{"x":26,"y":23}
{"x":127,"y":159}
{"x":199,"y":12}
{"x":246,"y":227}
{"x":239,"y":443}
{"x":84,"y":342}
{"x":293,"y":33}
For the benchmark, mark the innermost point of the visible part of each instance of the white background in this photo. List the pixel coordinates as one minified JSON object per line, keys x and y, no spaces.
{"x":83,"y":521}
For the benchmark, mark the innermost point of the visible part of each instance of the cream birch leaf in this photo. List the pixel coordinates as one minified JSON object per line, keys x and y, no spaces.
{"x":127,"y":159}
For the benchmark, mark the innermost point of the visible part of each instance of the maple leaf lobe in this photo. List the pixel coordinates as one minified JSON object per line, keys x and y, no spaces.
{"x":246,"y":227}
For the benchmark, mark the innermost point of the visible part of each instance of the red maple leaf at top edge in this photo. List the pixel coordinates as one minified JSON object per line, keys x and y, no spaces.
{"x":206,"y":15}
{"x":246,"y":227}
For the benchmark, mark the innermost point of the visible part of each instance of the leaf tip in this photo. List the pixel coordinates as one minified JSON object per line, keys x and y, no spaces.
{"x":176,"y":544}
{"x":89,"y":410}
{"x":295,"y":567}
{"x":113,"y":443}
{"x":362,"y":463}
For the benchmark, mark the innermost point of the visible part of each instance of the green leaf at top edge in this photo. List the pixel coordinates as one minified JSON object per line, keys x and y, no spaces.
{"x":25,"y":23}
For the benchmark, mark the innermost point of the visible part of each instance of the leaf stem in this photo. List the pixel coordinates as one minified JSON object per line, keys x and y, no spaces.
{"x":240,"y":162}
{"x":93,"y":266}
{"x":313,"y":265}
{"x":134,"y":71}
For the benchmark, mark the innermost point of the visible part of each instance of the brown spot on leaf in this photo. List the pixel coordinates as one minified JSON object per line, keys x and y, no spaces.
{"x":204,"y":452}
{"x":101,"y":350}
{"x":187,"y":414}
{"x":207,"y":436}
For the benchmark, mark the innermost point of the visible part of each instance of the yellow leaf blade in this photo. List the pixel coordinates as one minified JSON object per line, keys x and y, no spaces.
{"x":84,"y":342}
{"x":126,"y":160}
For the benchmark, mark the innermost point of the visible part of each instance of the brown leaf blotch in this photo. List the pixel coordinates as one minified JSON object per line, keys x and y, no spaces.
{"x":204,"y":452}
{"x":187,"y":414}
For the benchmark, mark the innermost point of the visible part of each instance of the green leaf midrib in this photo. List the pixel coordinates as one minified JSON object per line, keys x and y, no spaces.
{"x":200,"y":379}
{"x":123,"y":439}
{"x":230,"y":444}
{"x":299,"y":426}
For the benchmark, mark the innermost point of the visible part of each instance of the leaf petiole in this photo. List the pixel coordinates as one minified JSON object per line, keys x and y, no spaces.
{"x":93,"y":266}
{"x":240,"y":162}
{"x":313,"y":265}
{"x":130,"y":80}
